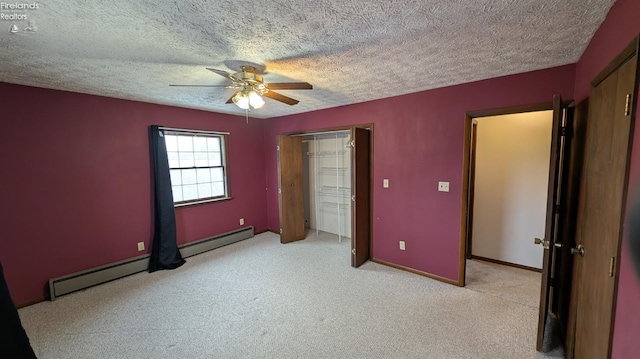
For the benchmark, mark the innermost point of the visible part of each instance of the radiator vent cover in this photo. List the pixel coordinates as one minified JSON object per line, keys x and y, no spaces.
{"x":88,"y":278}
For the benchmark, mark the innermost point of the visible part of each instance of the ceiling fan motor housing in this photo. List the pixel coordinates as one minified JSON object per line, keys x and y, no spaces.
{"x":252,"y":81}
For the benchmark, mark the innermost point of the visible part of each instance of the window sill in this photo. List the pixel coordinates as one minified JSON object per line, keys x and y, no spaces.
{"x":186,"y":204}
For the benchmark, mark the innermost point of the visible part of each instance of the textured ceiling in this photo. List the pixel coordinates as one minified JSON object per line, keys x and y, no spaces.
{"x":349,"y":50}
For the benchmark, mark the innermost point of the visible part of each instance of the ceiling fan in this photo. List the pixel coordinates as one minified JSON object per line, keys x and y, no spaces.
{"x":251,"y":86}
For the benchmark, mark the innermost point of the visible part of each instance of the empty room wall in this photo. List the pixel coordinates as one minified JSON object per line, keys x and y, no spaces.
{"x":512,"y":169}
{"x":76,"y":182}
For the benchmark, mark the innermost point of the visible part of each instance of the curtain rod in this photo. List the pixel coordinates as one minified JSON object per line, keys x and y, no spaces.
{"x":196,"y":131}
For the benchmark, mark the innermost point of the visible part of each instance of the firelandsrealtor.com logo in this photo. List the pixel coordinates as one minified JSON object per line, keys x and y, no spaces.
{"x":12,"y":12}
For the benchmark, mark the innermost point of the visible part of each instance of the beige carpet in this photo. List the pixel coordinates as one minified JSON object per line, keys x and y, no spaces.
{"x":261,"y":299}
{"x":514,"y":284}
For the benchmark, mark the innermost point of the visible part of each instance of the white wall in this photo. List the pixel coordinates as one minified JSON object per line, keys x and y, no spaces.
{"x":512,"y":168}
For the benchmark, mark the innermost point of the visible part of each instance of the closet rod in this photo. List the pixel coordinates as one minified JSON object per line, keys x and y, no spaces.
{"x":320,"y":133}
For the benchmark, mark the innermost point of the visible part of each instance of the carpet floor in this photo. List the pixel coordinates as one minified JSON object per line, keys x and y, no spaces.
{"x":261,"y":299}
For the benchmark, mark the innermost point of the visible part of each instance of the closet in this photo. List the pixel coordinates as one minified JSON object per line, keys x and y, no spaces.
{"x":327,"y":183}
{"x":324,"y":186}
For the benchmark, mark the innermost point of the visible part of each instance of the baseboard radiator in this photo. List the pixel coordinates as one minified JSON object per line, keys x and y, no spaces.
{"x":88,"y":278}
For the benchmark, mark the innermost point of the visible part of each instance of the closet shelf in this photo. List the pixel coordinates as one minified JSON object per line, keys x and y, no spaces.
{"x":332,"y":170}
{"x":328,"y":204}
{"x":326,"y":153}
{"x":334,"y":191}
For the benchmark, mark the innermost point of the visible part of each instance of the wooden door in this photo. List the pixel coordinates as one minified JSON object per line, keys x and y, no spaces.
{"x":472,"y":190}
{"x":551,"y":221}
{"x":563,"y":261}
{"x":603,"y":195}
{"x":290,"y":184}
{"x":360,"y":188}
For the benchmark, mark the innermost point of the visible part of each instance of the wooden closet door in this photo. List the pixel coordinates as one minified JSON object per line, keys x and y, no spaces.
{"x":603,"y":195}
{"x":360,"y":187}
{"x":290,"y":186}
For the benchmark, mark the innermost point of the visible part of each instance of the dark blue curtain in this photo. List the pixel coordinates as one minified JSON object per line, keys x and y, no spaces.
{"x":164,"y":249}
{"x":14,"y":342}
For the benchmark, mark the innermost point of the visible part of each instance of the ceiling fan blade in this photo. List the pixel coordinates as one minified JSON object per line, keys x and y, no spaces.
{"x":227,"y":86}
{"x":219,"y":72}
{"x":290,"y":86}
{"x":278,"y":97}
{"x":230,"y":100}
{"x":225,"y":74}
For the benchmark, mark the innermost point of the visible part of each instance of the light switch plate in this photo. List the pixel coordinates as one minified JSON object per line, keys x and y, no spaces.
{"x":402,"y":246}
{"x":242,"y":221}
{"x":385,"y":183}
{"x":140,"y":246}
{"x":443,"y":186}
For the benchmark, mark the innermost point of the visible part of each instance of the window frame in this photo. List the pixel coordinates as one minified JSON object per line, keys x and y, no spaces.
{"x":224,"y":159}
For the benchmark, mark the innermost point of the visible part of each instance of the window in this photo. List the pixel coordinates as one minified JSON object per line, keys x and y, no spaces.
{"x":197,"y":165}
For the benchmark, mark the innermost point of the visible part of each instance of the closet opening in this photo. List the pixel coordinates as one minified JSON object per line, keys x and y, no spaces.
{"x":324,"y":187}
{"x":326,"y":163}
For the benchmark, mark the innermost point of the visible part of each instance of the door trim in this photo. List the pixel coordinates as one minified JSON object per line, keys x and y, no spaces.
{"x":472,"y":186}
{"x":466,"y":163}
{"x":620,"y":59}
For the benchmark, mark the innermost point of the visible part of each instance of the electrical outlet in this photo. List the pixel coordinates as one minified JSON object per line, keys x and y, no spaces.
{"x":140,"y":246}
{"x":385,"y":183}
{"x":443,"y":186}
{"x":402,"y":247}
{"x":242,"y":221}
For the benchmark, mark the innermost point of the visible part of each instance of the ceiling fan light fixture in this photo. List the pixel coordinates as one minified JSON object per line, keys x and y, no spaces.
{"x":241,"y":100}
{"x":255,"y":100}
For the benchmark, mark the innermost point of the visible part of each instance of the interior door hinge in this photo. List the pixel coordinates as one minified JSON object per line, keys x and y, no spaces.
{"x":612,"y":265}
{"x":627,"y":105}
{"x":353,"y":251}
{"x":280,"y":230}
{"x":557,"y":208}
{"x":278,"y":148}
{"x":566,"y":132}
{"x":279,"y":190}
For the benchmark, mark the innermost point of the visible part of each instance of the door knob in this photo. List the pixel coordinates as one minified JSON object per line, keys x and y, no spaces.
{"x":543,"y":242}
{"x":579,"y":250}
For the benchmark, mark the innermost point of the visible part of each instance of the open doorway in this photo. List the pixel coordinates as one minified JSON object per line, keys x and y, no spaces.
{"x":508,"y":185}
{"x":510,"y":173}
{"x":562,"y":169}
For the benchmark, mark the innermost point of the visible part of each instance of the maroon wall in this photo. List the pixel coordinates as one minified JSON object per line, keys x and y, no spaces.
{"x":418,"y":141}
{"x":76,"y":182}
{"x":615,"y":33}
